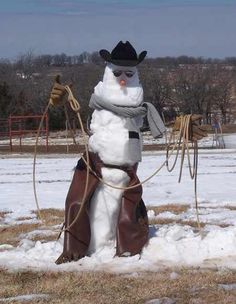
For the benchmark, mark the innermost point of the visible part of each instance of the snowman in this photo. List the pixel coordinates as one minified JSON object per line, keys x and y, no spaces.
{"x":111,"y":217}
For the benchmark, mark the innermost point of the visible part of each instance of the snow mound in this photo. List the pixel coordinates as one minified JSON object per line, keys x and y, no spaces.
{"x":170,"y":246}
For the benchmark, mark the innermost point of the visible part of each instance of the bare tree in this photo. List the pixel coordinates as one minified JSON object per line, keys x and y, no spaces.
{"x":187,"y":84}
{"x":194,"y":88}
{"x":222,"y":98}
{"x":157,"y":87}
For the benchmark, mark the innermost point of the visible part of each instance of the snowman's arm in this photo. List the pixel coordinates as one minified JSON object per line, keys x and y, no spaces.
{"x":58,"y":93}
{"x":196,"y":131}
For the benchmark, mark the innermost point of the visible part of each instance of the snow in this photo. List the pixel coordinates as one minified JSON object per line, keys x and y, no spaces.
{"x":110,"y":132}
{"x":110,"y":90}
{"x":104,"y":210}
{"x":111,"y":140}
{"x":229,"y":140}
{"x":25,"y":298}
{"x":170,"y":245}
{"x":164,"y":300}
{"x":228,"y":286}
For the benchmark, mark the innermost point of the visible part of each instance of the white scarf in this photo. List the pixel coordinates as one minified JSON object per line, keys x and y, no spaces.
{"x":127,"y":96}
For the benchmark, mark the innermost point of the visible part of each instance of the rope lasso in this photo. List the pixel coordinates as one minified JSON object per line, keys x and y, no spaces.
{"x":182,"y":136}
{"x":75,"y":106}
{"x":34,"y":161}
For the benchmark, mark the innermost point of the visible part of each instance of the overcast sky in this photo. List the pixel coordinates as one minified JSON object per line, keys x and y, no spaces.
{"x":162,"y":27}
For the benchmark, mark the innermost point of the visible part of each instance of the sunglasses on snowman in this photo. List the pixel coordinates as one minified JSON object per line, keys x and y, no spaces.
{"x":118,"y":73}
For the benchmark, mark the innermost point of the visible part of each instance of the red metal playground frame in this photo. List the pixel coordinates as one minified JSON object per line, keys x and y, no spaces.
{"x":17,"y":127}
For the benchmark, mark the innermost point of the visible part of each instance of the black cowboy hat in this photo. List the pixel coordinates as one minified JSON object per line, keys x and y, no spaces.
{"x":123,"y":54}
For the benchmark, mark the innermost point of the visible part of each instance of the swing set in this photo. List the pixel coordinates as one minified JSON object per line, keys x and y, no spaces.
{"x":16,"y":127}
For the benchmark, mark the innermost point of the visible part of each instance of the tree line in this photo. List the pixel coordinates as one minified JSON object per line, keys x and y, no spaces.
{"x":175,"y":85}
{"x":63,"y":59}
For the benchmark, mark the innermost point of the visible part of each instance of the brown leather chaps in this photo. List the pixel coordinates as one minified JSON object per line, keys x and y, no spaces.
{"x":132,"y":225}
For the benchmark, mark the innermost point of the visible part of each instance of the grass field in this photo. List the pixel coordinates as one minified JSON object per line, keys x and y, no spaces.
{"x":185,"y":286}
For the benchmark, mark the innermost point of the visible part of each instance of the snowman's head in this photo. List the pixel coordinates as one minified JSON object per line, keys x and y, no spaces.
{"x":121,"y":76}
{"x":120,"y":85}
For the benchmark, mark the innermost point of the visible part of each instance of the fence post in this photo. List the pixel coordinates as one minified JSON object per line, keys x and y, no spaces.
{"x":46,"y":118}
{"x":10,"y":133}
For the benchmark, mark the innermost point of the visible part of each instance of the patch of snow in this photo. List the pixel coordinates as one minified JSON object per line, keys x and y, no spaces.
{"x":6,"y":246}
{"x":229,"y":141}
{"x":228,"y":287}
{"x":25,"y":298}
{"x":213,"y":216}
{"x":151,"y":214}
{"x":36,"y":233}
{"x":164,"y":300}
{"x":174,"y":275}
{"x":170,"y":246}
{"x":180,"y":245}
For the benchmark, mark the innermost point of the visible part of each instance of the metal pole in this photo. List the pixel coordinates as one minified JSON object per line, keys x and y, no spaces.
{"x":20,"y":135}
{"x":67,"y":145}
{"x":46,"y":118}
{"x":10,"y":135}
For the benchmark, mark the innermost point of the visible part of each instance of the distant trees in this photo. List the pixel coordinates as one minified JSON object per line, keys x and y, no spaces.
{"x":5,"y":99}
{"x":189,"y":89}
{"x":223,"y":97}
{"x":174,"y":85}
{"x":188,"y":60}
{"x":193,"y":89}
{"x":157,"y":88}
{"x":204,"y":90}
{"x":62,"y":60}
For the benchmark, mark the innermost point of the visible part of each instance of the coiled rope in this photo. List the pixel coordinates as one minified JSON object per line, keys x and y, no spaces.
{"x":184,"y":138}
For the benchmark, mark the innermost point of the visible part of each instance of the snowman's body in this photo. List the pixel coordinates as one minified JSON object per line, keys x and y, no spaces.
{"x":115,"y":147}
{"x":111,"y":140}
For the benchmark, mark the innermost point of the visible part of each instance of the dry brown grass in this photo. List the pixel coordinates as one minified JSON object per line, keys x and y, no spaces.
{"x":217,"y":207}
{"x":52,"y":216}
{"x":230,"y":207}
{"x":23,"y":218}
{"x":229,"y":128}
{"x":173,"y":208}
{"x":45,"y":238}
{"x":177,"y":209}
{"x":10,"y":234}
{"x":104,"y":288}
{"x":163,"y":221}
{"x":3,"y":214}
{"x":194,"y":224}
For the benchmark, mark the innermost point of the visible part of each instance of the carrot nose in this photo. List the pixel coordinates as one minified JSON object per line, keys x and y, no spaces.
{"x":122,"y":82}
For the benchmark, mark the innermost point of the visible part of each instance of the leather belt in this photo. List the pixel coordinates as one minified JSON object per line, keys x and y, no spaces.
{"x":133,"y":134}
{"x":124,"y":168}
